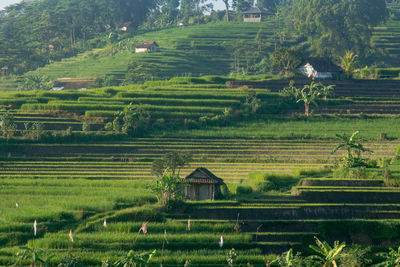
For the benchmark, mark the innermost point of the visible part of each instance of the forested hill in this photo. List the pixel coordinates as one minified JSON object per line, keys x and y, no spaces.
{"x":35,"y":33}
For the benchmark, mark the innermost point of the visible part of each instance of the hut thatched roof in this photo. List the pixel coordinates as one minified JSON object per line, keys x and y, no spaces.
{"x":203,"y":176}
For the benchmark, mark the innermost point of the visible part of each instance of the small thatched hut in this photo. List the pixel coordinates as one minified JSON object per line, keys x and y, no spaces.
{"x":202,"y":185}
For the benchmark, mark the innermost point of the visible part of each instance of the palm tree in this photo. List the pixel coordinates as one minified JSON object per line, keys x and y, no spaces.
{"x":392,"y":258}
{"x":348,"y":63}
{"x":328,"y":254}
{"x":351,"y":146}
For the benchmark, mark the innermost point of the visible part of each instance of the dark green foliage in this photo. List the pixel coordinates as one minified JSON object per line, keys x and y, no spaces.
{"x":354,"y":150}
{"x":355,"y":257}
{"x":133,"y":259}
{"x":268,"y":4}
{"x":392,"y":258}
{"x":285,"y":60}
{"x":333,"y":27}
{"x":139,"y":72}
{"x":171,"y":162}
{"x":244,"y":190}
{"x":37,"y":32}
{"x":272,"y":182}
{"x":70,"y":261}
{"x":7,"y":123}
{"x":36,"y":82}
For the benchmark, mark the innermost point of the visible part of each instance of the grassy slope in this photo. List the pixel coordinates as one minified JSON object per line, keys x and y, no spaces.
{"x":200,"y":49}
{"x":197,"y":49}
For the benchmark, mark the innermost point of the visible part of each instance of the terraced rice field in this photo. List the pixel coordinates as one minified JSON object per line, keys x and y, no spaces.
{"x":211,"y":46}
{"x":232,"y":160}
{"x":373,"y":97}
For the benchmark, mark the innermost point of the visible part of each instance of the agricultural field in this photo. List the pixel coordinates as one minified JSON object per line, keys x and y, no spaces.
{"x":72,"y":178}
{"x":192,"y":50}
{"x":78,"y":188}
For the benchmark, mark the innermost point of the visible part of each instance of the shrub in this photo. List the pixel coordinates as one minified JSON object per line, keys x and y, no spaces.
{"x":216,"y":79}
{"x":268,"y":182}
{"x":312,"y":171}
{"x":187,"y":80}
{"x":397,"y":153}
{"x":244,"y":190}
{"x":85,"y":126}
{"x":355,"y":257}
{"x":357,"y":173}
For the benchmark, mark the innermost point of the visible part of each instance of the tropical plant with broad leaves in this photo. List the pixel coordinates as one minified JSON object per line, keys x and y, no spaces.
{"x":326,"y":90}
{"x":7,"y":124}
{"x":291,"y":91}
{"x":36,"y":257}
{"x":391,"y":258}
{"x":287,"y":259}
{"x":353,"y":148}
{"x":308,"y":95}
{"x":168,"y":188}
{"x":348,"y":63}
{"x":231,"y":257}
{"x":328,"y":255}
{"x":171,"y":162}
{"x":133,"y":259}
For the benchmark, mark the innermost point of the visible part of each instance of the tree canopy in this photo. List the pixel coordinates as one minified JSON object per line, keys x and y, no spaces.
{"x":33,"y":33}
{"x":332,"y":27}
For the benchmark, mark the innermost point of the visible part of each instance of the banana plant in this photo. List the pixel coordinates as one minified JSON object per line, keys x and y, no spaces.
{"x":352,"y":147}
{"x":391,"y":259}
{"x":133,"y":259}
{"x":328,"y":255}
{"x":308,"y":95}
{"x":326,"y":90}
{"x":36,"y":257}
{"x":287,"y":259}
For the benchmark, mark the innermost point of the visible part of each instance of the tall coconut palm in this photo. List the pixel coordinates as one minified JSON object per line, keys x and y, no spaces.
{"x":328,"y":255}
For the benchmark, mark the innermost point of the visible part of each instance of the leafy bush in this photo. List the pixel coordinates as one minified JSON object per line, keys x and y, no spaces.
{"x":310,"y":172}
{"x":187,"y":80}
{"x":216,"y":79}
{"x":244,"y":190}
{"x":139,"y":72}
{"x":268,"y":182}
{"x":397,"y":153}
{"x":357,"y":173}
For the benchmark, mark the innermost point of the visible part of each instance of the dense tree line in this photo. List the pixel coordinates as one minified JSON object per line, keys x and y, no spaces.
{"x":34,"y":33}
{"x":333,"y":27}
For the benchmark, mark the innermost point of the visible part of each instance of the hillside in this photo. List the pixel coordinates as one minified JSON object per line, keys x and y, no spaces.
{"x":195,"y":50}
{"x":77,"y":183}
{"x":202,"y":49}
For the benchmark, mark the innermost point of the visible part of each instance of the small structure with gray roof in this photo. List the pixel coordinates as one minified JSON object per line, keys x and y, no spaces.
{"x":256,"y":14}
{"x":202,"y":184}
{"x":320,"y":68}
{"x":150,"y":46}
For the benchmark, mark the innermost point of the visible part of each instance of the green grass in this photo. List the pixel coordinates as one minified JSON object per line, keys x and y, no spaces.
{"x":307,"y":128}
{"x":47,"y":199}
{"x":195,"y":49}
